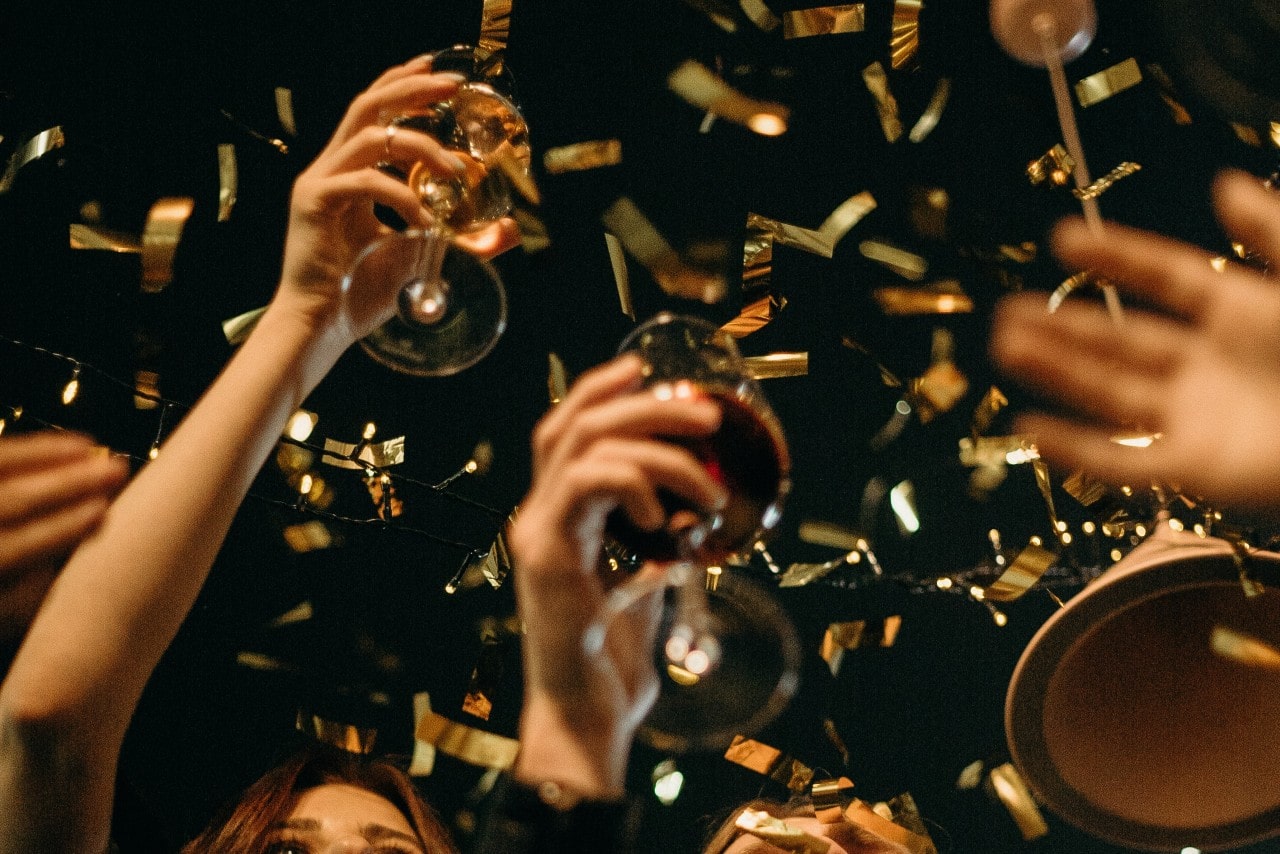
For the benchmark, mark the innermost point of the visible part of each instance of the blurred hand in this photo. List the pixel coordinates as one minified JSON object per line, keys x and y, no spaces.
{"x":331,"y":216}
{"x":55,"y":488}
{"x":598,"y":450}
{"x":1199,"y":363}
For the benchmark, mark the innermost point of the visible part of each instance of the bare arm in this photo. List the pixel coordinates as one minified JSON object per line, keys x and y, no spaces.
{"x":73,"y":687}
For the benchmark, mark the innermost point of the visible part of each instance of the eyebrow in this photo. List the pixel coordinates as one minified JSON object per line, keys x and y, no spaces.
{"x":371,"y":832}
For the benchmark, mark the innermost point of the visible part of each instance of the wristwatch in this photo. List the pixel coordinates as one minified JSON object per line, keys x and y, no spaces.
{"x":520,"y":818}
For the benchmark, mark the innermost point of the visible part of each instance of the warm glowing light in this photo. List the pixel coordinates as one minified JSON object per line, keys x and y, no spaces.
{"x":1088,"y":527}
{"x":1136,"y":441}
{"x":1001,"y":619}
{"x":667,"y":783}
{"x":471,"y":467}
{"x":1140,"y":530}
{"x":902,"y":500}
{"x":304,"y":485}
{"x":945,"y":583}
{"x":1116,"y":554}
{"x":1066,"y":538}
{"x":154,"y":452}
{"x":697,"y":662}
{"x":1036,"y":541}
{"x":1176,"y":524}
{"x":977,"y":593}
{"x":768,"y":124}
{"x":1061,"y":526}
{"x":72,"y":388}
{"x":369,"y":430}
{"x":300,"y":425}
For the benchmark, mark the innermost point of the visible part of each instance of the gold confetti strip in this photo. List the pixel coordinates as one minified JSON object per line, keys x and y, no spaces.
{"x":1244,"y":648}
{"x":987,"y":410}
{"x":700,"y":87}
{"x":831,"y":534}
{"x":236,"y":329}
{"x":263,"y":662}
{"x":557,"y":379}
{"x":146,"y":390}
{"x":644,"y":242}
{"x":906,"y":264}
{"x":904,"y":40}
{"x":495,"y":25}
{"x":1097,"y":88}
{"x":754,"y":316}
{"x":228,"y":180}
{"x":770,"y":762}
{"x":1167,"y":92}
{"x":423,"y":761}
{"x":760,"y":15}
{"x":581,"y":156}
{"x":778,"y":834}
{"x":1027,"y":568}
{"x":800,"y":574}
{"x":486,"y":674}
{"x":33,"y":149}
{"x":284,"y":110}
{"x":777,"y":365}
{"x":824,"y":21}
{"x":1055,"y":167}
{"x":345,"y":455}
{"x":757,"y":259}
{"x":856,"y":634}
{"x":1069,"y":286}
{"x":718,"y":12}
{"x":534,"y":236}
{"x":886,"y":105}
{"x":1010,"y":789}
{"x":1084,"y":488}
{"x":1101,"y":185}
{"x":621,"y":277}
{"x":942,"y":385}
{"x":97,"y":238}
{"x":932,"y":112}
{"x":160,"y":237}
{"x":1043,"y":481}
{"x":944,"y":297}
{"x":300,"y":613}
{"x":904,"y":812}
{"x":866,"y":817}
{"x":996,"y":450}
{"x":468,"y":744}
{"x":830,"y":798}
{"x":342,"y":736}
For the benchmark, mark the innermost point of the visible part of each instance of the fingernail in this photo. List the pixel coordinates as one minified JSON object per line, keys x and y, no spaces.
{"x":453,"y":76}
{"x":456,"y":163}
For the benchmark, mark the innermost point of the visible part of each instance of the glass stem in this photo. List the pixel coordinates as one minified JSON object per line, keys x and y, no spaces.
{"x":425,"y":298}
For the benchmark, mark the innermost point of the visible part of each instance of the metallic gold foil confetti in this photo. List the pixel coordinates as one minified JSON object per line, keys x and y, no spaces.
{"x":621,"y":278}
{"x":830,"y":534}
{"x":906,"y":264}
{"x":33,"y":149}
{"x":99,"y":239}
{"x":760,"y":14}
{"x":350,"y":455}
{"x":236,"y":329}
{"x":1101,"y":185}
{"x":800,"y":574}
{"x":775,"y":365}
{"x":300,"y":613}
{"x":719,"y":12}
{"x":770,"y":762}
{"x":263,"y":662}
{"x":1243,"y":648}
{"x":1168,"y":93}
{"x":228,"y":180}
{"x":865,"y":816}
{"x":904,"y":812}
{"x":754,"y":316}
{"x":468,"y":744}
{"x":557,"y":379}
{"x":987,"y":409}
{"x":581,"y":156}
{"x":534,"y":236}
{"x":284,"y":110}
{"x":495,"y":25}
{"x":160,"y":237}
{"x":877,"y":82}
{"x":700,"y":87}
{"x":1097,"y":88}
{"x":146,"y":390}
{"x":778,"y":834}
{"x":932,"y":112}
{"x":856,"y":634}
{"x":647,"y":245}
{"x":943,"y":384}
{"x":1247,"y":134}
{"x":830,"y":798}
{"x":346,"y":737}
{"x":1054,"y":166}
{"x":1043,"y":481}
{"x":904,"y":39}
{"x":486,"y":674}
{"x":1008,"y":786}
{"x":942,"y":297}
{"x":808,"y":239}
{"x":1084,"y":488}
{"x":1021,"y":575}
{"x":824,"y":21}
{"x":423,"y":761}
{"x":385,"y":500}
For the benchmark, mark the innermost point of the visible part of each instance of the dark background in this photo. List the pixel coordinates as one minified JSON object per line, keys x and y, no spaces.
{"x":145,"y":95}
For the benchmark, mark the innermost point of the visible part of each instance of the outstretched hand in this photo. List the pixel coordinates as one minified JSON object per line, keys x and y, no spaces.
{"x":1199,"y":364}
{"x":54,"y":490}
{"x":599,"y":450}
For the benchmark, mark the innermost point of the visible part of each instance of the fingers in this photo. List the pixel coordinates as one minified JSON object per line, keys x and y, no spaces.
{"x":1074,"y":445}
{"x":492,"y":240}
{"x":399,"y":89}
{"x":42,"y":449}
{"x":596,"y":385}
{"x":1164,"y":272}
{"x":1079,"y":358}
{"x":1250,"y":212}
{"x":54,"y":534}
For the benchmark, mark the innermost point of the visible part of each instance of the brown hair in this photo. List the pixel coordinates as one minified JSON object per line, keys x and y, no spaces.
{"x":244,"y":827}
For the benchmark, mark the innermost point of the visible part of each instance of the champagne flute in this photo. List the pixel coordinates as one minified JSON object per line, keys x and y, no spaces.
{"x":452,"y":306}
{"x":727,"y":655}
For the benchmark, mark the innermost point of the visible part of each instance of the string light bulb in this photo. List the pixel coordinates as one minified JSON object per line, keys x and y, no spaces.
{"x":72,"y":388}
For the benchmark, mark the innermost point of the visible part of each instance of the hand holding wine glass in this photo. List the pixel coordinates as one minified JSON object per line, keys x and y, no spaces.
{"x":451,"y":307}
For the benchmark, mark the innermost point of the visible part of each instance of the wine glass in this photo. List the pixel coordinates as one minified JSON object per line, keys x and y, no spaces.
{"x":452,"y":306}
{"x":728,"y":655}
